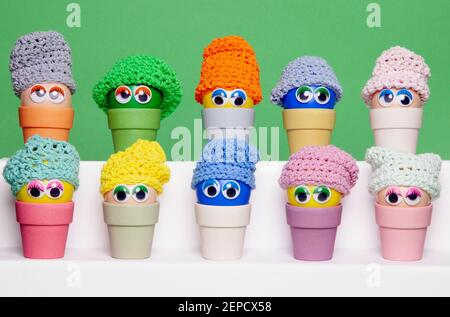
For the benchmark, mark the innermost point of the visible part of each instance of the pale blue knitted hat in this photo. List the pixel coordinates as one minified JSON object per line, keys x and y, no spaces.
{"x":42,"y":159}
{"x":227,"y":159}
{"x":392,"y":168}
{"x":306,"y":70}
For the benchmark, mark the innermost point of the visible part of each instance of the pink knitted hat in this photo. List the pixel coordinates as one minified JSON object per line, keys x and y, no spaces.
{"x":320,"y":165}
{"x":398,"y":68}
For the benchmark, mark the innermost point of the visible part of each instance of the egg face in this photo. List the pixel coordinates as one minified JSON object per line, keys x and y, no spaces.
{"x":47,"y":94}
{"x":138,"y":194}
{"x":135,"y":96}
{"x":403,"y":197}
{"x":313,"y":196}
{"x":46,"y":192}
{"x":396,"y":98}
{"x":219,"y":192}
{"x":312,"y":97}
{"x":222,"y":98}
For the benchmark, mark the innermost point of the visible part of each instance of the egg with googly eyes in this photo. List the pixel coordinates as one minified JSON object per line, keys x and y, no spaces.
{"x":223,"y":192}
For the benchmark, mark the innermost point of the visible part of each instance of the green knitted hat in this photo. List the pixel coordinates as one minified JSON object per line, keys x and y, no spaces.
{"x":392,"y":168}
{"x":42,"y":159}
{"x":141,"y":69}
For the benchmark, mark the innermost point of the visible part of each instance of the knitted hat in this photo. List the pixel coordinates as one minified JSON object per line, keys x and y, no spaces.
{"x":145,"y":70}
{"x":142,"y":163}
{"x":398,"y":68}
{"x":392,"y":168}
{"x":320,"y":165}
{"x":41,"y":57}
{"x":42,"y":159}
{"x":229,"y":63}
{"x":306,"y":70}
{"x":227,"y":159}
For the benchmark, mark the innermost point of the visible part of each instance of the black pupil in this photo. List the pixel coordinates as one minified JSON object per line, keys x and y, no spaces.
{"x":35,"y":192}
{"x":388,"y":97}
{"x":124,"y":94}
{"x":393,"y":198}
{"x":322,"y":96}
{"x":140,"y":195}
{"x":121,"y":195}
{"x":322,"y":196}
{"x":218,"y":100}
{"x":231,"y":192}
{"x":143,"y":97}
{"x":55,"y":192}
{"x":212,"y":191}
{"x":412,"y":197}
{"x":405,"y":100}
{"x":305,"y":95}
{"x":302,"y":196}
{"x":239,"y":101}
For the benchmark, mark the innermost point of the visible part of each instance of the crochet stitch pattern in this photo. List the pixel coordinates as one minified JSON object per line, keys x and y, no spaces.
{"x":393,"y":168}
{"x":398,"y":68}
{"x":41,"y":57}
{"x":141,"y":70}
{"x":306,"y":70}
{"x":229,"y":63}
{"x":320,"y":165}
{"x":141,"y":163}
{"x":42,"y":159}
{"x":223,"y":159}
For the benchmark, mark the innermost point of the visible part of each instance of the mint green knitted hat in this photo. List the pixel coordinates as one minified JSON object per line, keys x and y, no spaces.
{"x":42,"y":159}
{"x":145,"y":70}
{"x":392,"y":168}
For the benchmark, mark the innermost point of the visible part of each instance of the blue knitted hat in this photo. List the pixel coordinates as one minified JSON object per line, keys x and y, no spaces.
{"x":227,"y":159}
{"x":306,"y":70}
{"x":42,"y":159}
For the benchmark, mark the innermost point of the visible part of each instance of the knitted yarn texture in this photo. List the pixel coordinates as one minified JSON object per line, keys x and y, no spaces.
{"x":41,"y":57}
{"x":42,"y":159}
{"x":393,"y":168}
{"x":320,"y":165}
{"x":229,"y":63}
{"x":232,"y":159}
{"x":144,"y":162}
{"x":141,"y":70}
{"x":306,"y":70}
{"x":398,"y":68}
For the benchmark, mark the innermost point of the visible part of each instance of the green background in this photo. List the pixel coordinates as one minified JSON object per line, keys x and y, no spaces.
{"x":279,"y":31}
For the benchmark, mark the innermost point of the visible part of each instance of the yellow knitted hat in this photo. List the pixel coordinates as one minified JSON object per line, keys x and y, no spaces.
{"x":141,"y":163}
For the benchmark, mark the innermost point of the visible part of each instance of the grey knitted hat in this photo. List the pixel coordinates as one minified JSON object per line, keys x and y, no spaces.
{"x":305,"y":70}
{"x":41,"y":57}
{"x":393,"y":168}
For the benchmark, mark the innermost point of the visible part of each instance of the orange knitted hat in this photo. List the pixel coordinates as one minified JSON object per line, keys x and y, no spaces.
{"x":229,"y":63}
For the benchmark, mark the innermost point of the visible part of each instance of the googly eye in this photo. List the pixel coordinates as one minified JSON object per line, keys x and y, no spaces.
{"x":238,"y":97}
{"x":140,"y":193}
{"x":304,"y":94}
{"x":413,"y":196}
{"x":55,"y":189}
{"x":56,"y":94}
{"x":404,"y":97}
{"x":386,"y":97}
{"x":302,"y":194}
{"x":231,"y":189}
{"x":322,"y":194}
{"x":211,"y":188}
{"x":219,"y":97}
{"x":393,"y":196}
{"x":321,"y":95}
{"x":37,"y":93}
{"x":121,"y":193}
{"x":123,"y":94}
{"x":35,"y":189}
{"x":143,"y":94}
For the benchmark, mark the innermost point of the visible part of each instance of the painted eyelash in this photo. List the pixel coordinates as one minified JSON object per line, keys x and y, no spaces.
{"x":37,"y":88}
{"x":391,"y":191}
{"x":58,"y":89}
{"x":122,"y":89}
{"x":35,"y":185}
{"x":414,"y":191}
{"x":58,"y":185}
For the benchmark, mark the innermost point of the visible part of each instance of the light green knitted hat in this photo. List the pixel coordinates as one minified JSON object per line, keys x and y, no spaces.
{"x":392,"y":168}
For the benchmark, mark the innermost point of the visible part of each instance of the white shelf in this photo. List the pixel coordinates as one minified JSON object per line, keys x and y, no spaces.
{"x":267,"y":268}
